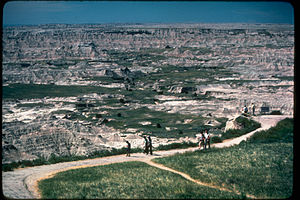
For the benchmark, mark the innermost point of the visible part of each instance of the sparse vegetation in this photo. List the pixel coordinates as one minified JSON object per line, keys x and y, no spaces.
{"x":159,"y":120}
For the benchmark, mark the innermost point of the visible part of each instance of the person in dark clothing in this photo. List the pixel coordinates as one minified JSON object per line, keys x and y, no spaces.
{"x":150,"y":144}
{"x":253,"y":109}
{"x":146,"y":150}
{"x":128,"y":149}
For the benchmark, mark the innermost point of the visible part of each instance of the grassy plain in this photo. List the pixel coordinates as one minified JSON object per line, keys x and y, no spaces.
{"x":135,"y":180}
{"x":35,"y":91}
{"x":262,"y":167}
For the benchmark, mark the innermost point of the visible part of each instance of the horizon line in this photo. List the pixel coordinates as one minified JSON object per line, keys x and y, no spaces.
{"x":149,"y":23}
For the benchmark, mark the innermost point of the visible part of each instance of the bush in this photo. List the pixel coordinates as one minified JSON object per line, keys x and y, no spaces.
{"x":176,"y":146}
{"x":247,"y":123}
{"x":216,"y":139}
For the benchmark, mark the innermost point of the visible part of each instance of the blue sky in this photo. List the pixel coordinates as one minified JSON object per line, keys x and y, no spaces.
{"x":77,"y":12}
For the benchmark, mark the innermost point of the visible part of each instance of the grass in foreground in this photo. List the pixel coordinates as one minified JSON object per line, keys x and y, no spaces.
{"x":262,"y":167}
{"x":135,"y":180}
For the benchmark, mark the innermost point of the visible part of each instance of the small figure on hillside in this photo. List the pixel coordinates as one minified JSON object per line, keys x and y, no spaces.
{"x":201,"y":140}
{"x":128,"y":149}
{"x":150,"y":144}
{"x":146,"y":150}
{"x":207,"y":139}
{"x":253,"y":109}
{"x":245,"y":109}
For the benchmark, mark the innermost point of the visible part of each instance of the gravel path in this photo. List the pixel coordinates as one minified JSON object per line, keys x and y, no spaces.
{"x":22,"y":183}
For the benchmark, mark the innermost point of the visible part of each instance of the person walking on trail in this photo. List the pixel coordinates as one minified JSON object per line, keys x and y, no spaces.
{"x":207,"y":139}
{"x":201,"y":140}
{"x":150,"y":144}
{"x":128,"y":149}
{"x":146,"y":150}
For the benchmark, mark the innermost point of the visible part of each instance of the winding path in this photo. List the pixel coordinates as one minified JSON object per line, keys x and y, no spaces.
{"x":22,"y":183}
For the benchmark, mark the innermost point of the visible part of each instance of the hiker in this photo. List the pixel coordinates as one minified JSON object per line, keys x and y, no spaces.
{"x":253,"y":109}
{"x":150,"y":144}
{"x":201,"y":140}
{"x":245,"y":109}
{"x":128,"y":149}
{"x":146,"y":150}
{"x":207,"y":139}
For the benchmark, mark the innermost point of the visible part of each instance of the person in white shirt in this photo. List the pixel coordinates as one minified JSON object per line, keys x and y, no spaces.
{"x":207,"y":139}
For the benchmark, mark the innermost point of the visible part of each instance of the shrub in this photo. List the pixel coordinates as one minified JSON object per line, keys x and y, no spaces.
{"x":216,"y":139}
{"x":98,"y":115}
{"x":176,"y":146}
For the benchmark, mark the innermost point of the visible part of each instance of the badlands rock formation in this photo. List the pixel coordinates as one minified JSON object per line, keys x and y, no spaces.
{"x":78,"y":89}
{"x":232,"y":124}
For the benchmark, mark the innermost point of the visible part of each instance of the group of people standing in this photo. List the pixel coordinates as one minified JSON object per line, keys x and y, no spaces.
{"x":204,"y":139}
{"x":148,"y":146}
{"x":245,"y":109}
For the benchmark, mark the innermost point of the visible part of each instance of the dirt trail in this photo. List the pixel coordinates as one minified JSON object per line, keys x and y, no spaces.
{"x":186,"y":176}
{"x":22,"y":183}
